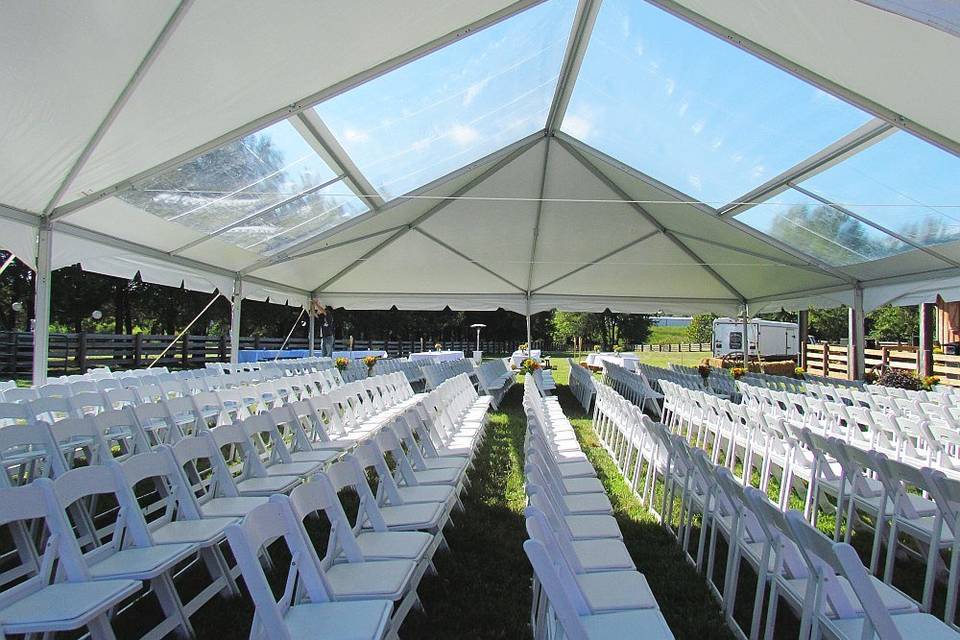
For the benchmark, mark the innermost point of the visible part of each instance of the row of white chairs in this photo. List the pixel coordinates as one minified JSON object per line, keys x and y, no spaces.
{"x":436,"y":373}
{"x":849,"y":478}
{"x":582,"y":384}
{"x":634,"y":385}
{"x":495,"y":378}
{"x":585,"y":582}
{"x":777,"y":383}
{"x":822,"y":580}
{"x":394,"y":536}
{"x":719,"y":380}
{"x":220,"y":497}
{"x":917,"y":433}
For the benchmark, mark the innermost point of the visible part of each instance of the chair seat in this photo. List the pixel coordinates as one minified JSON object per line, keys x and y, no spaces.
{"x":394,"y":545}
{"x":588,"y":503}
{"x":427,"y":515}
{"x":439,"y":476}
{"x":616,"y":591}
{"x":294,"y":469}
{"x":592,"y":527}
{"x":602,"y":555}
{"x":577,"y":469}
{"x":582,"y":485}
{"x":230,"y":507}
{"x":318,"y":455}
{"x":639,"y":623}
{"x":426,"y":493}
{"x":142,"y":563}
{"x":64,"y":606}
{"x":893,"y":600}
{"x":360,"y":620}
{"x":364,"y":580}
{"x":267,"y":486}
{"x":204,"y":532}
{"x":910,"y":625}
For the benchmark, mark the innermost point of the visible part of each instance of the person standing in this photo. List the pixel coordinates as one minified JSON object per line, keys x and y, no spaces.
{"x":327,"y":330}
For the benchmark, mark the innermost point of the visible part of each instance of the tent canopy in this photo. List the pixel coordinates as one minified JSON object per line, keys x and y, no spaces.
{"x":670,"y":155}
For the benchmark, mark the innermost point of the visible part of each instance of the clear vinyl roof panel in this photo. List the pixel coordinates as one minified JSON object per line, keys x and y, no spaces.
{"x":693,"y":111}
{"x":820,"y":230}
{"x":900,"y":183}
{"x":456,"y":105}
{"x":311,"y":214}
{"x":235,"y":181}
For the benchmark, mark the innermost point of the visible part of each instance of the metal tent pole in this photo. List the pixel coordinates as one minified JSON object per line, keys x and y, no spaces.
{"x":310,"y":328}
{"x":746,"y":337}
{"x":529,"y":338}
{"x":235,"y":302}
{"x":855,"y":340}
{"x":41,"y":313}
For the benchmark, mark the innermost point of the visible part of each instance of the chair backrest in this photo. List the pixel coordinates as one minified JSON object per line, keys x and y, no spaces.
{"x":28,"y":452}
{"x":88,"y":403}
{"x":261,"y":526}
{"x":18,"y":394}
{"x":565,"y":609}
{"x":52,"y":409}
{"x":316,"y":496}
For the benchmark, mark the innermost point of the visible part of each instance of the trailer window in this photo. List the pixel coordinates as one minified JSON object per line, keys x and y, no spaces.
{"x":736,"y":340}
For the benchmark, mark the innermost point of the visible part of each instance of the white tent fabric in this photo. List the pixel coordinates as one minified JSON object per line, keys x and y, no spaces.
{"x":122,"y":100}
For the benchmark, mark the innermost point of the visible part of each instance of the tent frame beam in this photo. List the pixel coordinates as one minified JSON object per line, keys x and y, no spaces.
{"x":489,"y":171}
{"x":290,"y":253}
{"x":536,"y":222}
{"x":472,"y":261}
{"x":851,"y":144}
{"x":878,"y":227}
{"x":148,"y":59}
{"x":748,"y":252}
{"x":41,"y":307}
{"x":314,"y":130}
{"x":582,"y":29}
{"x":587,"y":151}
{"x":646,"y":215}
{"x":595,"y":261}
{"x":303,"y":104}
{"x":257,"y":214}
{"x":831,"y":87}
{"x":236,"y":304}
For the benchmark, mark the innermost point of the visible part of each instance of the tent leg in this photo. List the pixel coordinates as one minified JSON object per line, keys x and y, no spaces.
{"x":855,"y":341}
{"x":529,"y":337}
{"x":746,"y":337}
{"x":310,"y":331}
{"x":235,"y":302}
{"x":41,"y":328}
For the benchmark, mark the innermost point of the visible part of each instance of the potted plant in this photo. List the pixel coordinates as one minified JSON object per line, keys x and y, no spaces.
{"x":370,"y":361}
{"x":618,"y":349}
{"x":341,"y":364}
{"x":737,"y":372}
{"x":704,"y":370}
{"x":529,"y":365}
{"x":798,"y":372}
{"x":929,"y":382}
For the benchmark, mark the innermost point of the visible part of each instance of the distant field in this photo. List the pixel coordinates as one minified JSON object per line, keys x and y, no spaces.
{"x":667,"y":335}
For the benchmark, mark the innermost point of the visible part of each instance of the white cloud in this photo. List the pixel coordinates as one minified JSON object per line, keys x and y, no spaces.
{"x":694,"y":181}
{"x":697,"y":127}
{"x":639,"y":48}
{"x":463,"y":134}
{"x":653,"y":67}
{"x":671,"y":86}
{"x":625,"y":26}
{"x":717,"y":143}
{"x":473,"y":91}
{"x":578,"y":126}
{"x":736,"y":157}
{"x":356,"y":135}
{"x":758,"y":171}
{"x":682,"y":111}
{"x":421,"y":145}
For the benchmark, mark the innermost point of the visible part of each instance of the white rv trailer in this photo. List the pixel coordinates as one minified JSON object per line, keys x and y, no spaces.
{"x":774,"y":338}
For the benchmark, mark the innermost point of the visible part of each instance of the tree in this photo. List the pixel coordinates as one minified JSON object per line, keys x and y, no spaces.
{"x":894,"y":323}
{"x":606,"y":329}
{"x":829,"y":324}
{"x":701,"y":327}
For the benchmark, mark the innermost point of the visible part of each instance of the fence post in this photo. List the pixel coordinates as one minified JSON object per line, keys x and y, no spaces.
{"x":137,"y":349}
{"x":223,"y":348}
{"x":826,"y":359}
{"x":82,"y":351}
{"x":185,"y":351}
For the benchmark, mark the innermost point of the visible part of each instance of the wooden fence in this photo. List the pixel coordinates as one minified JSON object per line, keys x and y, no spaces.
{"x":675,"y":348}
{"x":77,"y":352}
{"x":831,"y":360}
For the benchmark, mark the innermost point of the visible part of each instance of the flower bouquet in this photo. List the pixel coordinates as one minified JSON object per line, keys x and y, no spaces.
{"x":370,"y":361}
{"x":341,"y":364}
{"x":529,"y":365}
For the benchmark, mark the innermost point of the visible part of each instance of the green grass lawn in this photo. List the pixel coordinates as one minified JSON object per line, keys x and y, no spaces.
{"x":667,"y":335}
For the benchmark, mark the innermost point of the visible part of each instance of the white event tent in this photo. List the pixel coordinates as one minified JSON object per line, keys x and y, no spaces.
{"x":670,"y":155}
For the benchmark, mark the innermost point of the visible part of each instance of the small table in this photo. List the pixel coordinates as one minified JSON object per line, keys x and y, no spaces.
{"x":519,"y":356}
{"x":437,"y":356}
{"x":628,"y":361}
{"x":258,"y":355}
{"x":359,"y":354}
